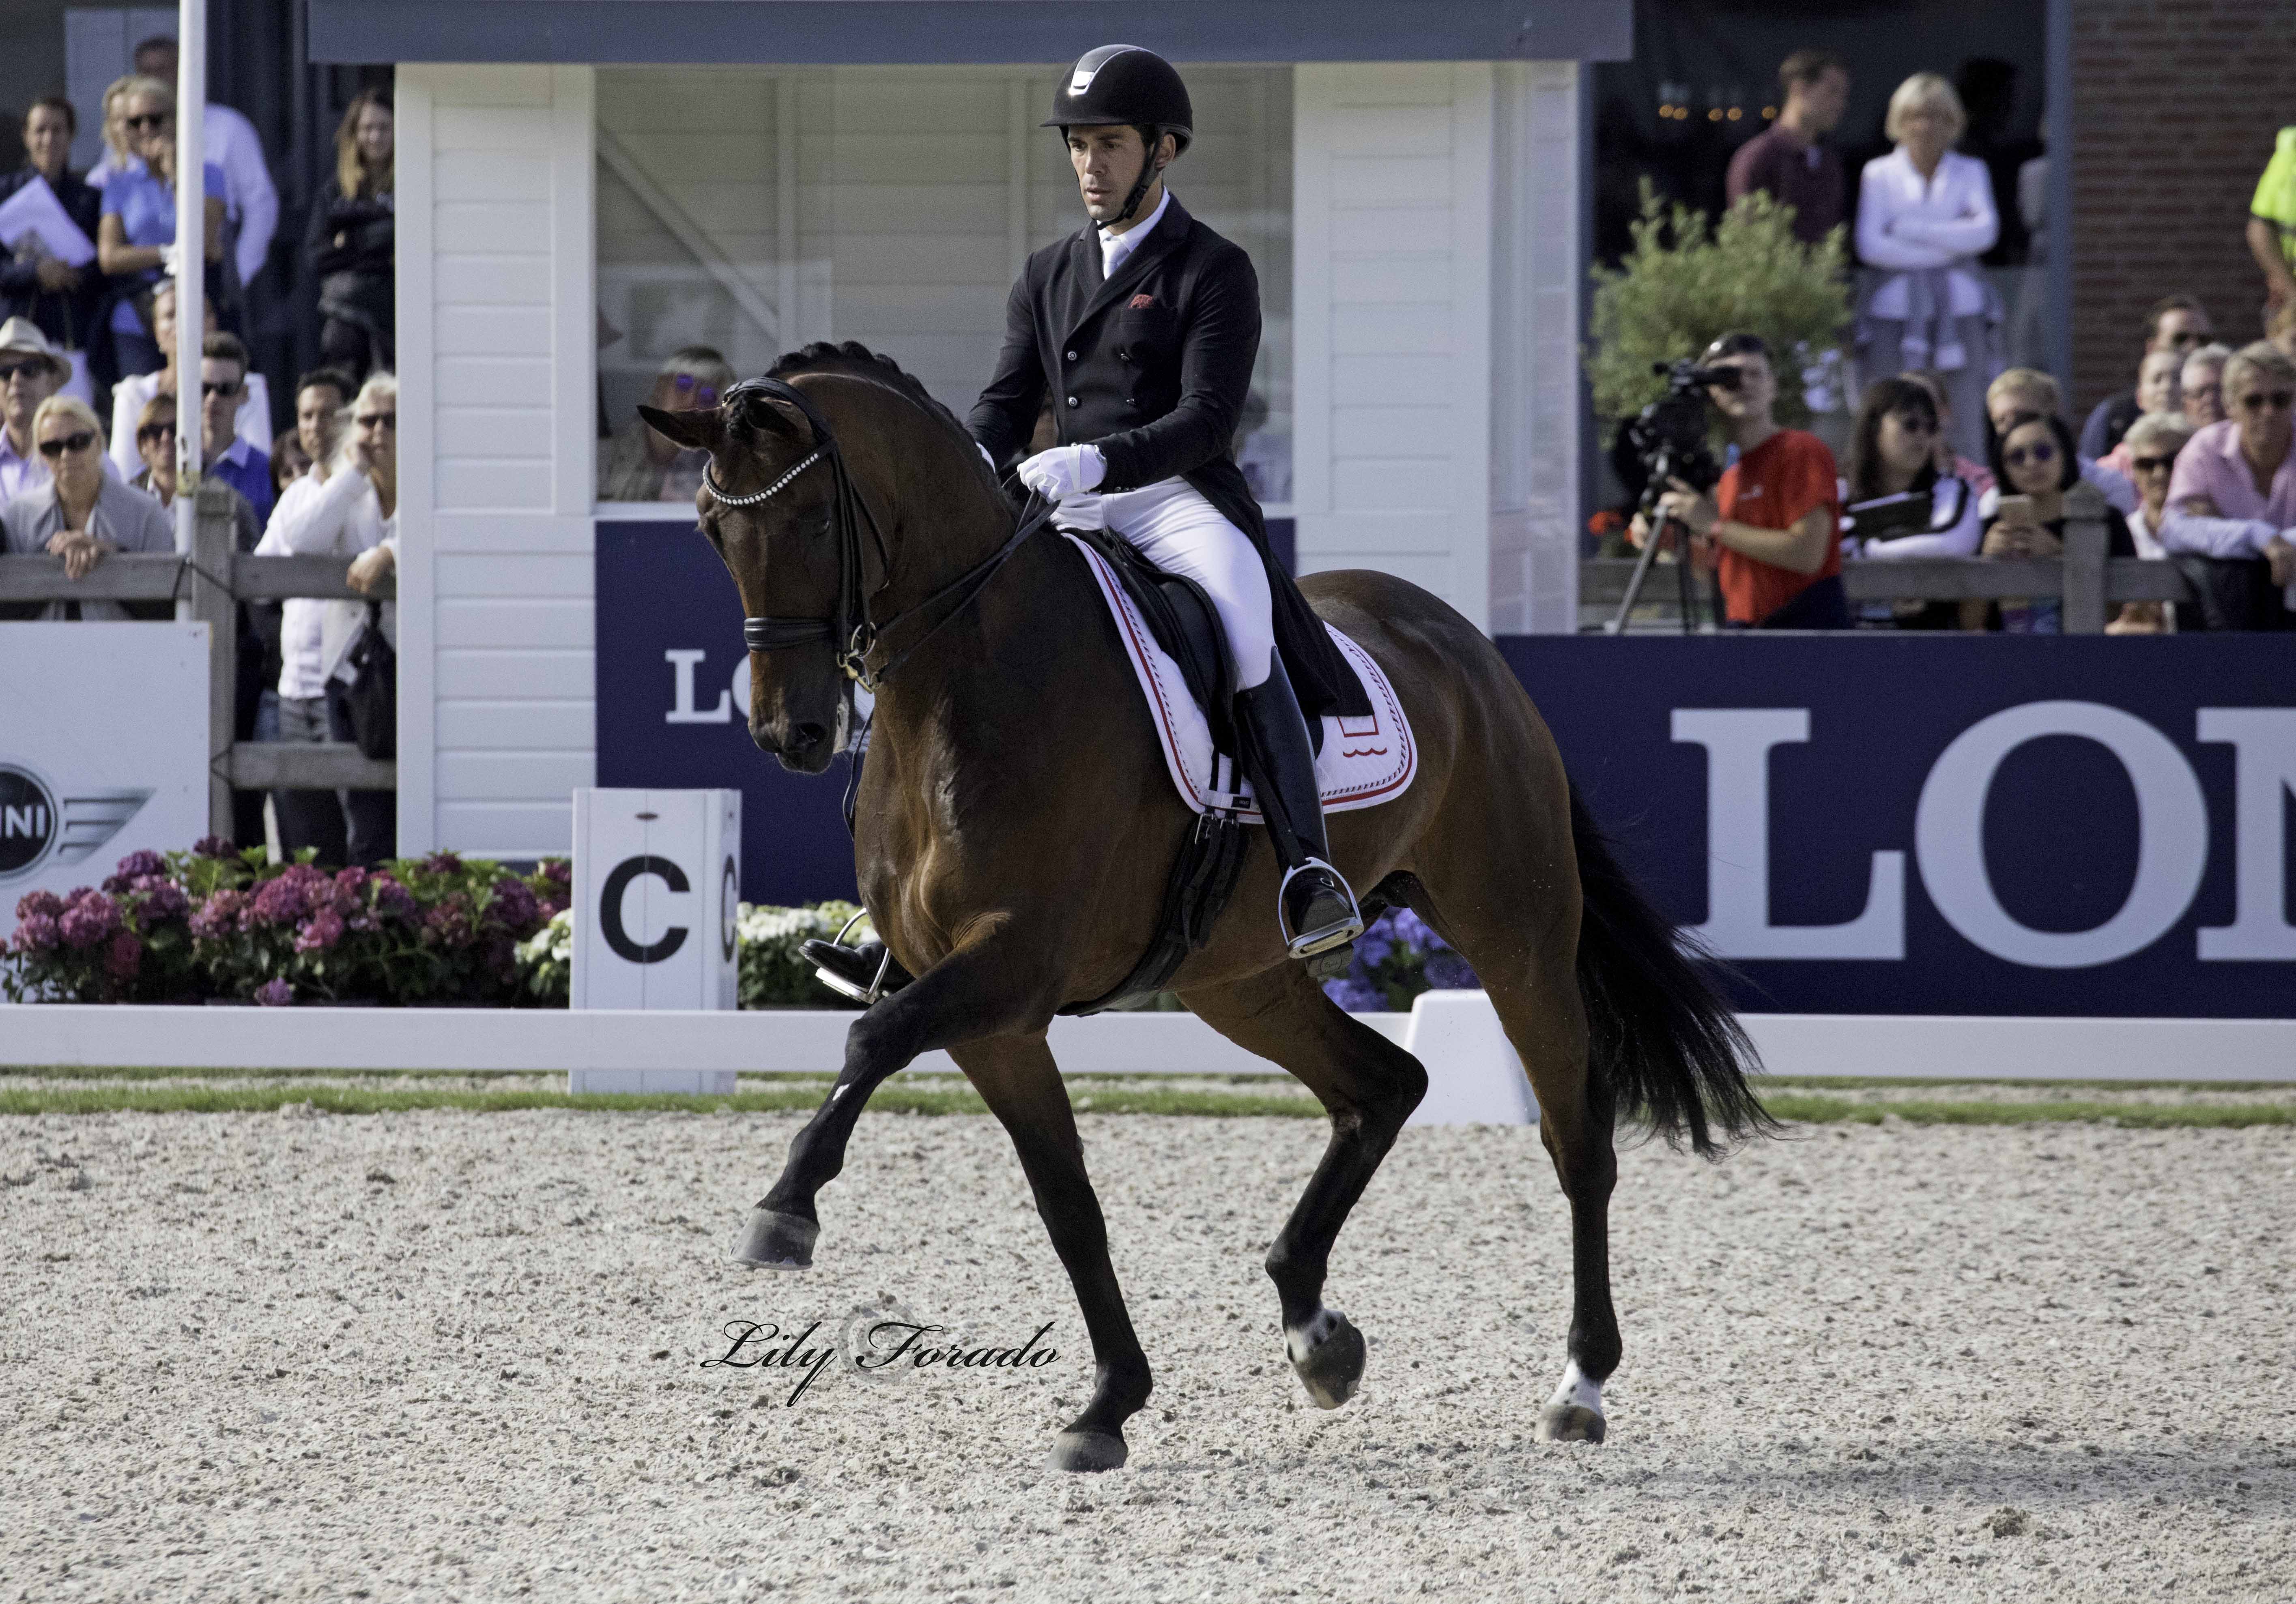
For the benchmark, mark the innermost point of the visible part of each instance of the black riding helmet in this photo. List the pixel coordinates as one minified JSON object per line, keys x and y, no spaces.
{"x":1125,"y":84}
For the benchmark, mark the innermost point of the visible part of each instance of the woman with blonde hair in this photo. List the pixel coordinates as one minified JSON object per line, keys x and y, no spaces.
{"x":1926,"y":214}
{"x":118,"y":154}
{"x":82,"y":514}
{"x":352,"y":241}
{"x":139,"y":221}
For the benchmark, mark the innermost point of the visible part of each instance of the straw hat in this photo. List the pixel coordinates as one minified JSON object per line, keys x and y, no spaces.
{"x":21,"y":337}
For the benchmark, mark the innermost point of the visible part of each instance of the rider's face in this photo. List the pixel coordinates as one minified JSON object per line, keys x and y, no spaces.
{"x":1107,"y":162}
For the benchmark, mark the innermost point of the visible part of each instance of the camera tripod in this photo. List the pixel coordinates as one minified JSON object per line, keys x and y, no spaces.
{"x":1684,"y":578}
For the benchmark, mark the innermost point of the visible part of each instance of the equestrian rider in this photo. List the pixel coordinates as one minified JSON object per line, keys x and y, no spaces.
{"x":1140,"y":331}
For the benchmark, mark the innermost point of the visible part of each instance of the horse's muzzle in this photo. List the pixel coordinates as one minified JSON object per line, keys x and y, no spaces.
{"x":806,"y":751}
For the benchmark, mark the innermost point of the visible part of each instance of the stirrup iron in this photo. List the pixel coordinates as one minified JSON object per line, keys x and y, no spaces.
{"x":1333,"y":929}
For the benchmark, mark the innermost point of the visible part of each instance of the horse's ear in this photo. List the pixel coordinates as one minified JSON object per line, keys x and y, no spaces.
{"x":765,"y":416}
{"x":700,"y":430}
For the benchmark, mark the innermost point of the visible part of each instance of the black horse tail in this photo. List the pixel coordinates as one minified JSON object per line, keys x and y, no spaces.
{"x":1660,"y":1035}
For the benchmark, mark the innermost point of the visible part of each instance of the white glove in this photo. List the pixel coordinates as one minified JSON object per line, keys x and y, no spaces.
{"x":171,"y":260}
{"x":1064,"y":470}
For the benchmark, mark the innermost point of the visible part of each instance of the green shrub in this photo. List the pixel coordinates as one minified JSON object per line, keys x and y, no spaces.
{"x":774,"y":973}
{"x":1686,"y":281}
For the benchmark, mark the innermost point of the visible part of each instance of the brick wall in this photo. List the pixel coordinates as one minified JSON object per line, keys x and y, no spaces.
{"x":2175,"y":106}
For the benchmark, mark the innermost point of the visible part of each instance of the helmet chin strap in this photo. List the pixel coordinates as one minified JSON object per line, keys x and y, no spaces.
{"x":1148,"y":170}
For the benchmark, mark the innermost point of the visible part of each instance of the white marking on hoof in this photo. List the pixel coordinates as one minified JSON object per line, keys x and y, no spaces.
{"x":1577,"y":1391}
{"x":1299,"y":1341}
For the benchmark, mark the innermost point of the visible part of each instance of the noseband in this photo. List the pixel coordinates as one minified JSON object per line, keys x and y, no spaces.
{"x":849,"y":631}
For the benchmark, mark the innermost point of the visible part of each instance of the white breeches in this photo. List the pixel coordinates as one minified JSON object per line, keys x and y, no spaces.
{"x":1173,"y":526}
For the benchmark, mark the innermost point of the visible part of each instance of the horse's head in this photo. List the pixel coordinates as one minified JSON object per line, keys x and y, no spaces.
{"x":784,"y":556}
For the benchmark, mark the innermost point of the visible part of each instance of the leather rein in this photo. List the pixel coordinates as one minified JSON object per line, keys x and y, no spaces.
{"x":852,"y":634}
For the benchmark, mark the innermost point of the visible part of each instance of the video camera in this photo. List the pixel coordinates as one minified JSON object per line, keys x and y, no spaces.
{"x":1668,"y":440}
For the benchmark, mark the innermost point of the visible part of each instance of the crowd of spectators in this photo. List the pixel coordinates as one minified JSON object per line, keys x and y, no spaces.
{"x":87,"y":328}
{"x":1952,"y":451}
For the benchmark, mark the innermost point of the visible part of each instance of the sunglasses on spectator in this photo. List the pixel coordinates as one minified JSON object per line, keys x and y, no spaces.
{"x":388,"y":419}
{"x":79,"y":440}
{"x":2257,"y":400}
{"x":149,"y":120}
{"x":2159,"y":465}
{"x":154,"y":431}
{"x":707,"y":393}
{"x":1916,"y":424}
{"x":2040,"y":456}
{"x":216,"y":386}
{"x":21,"y":369}
{"x":2187,"y":339}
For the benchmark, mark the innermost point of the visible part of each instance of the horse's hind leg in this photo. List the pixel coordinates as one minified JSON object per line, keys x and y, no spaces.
{"x":1368,"y":1085}
{"x":1017,"y":1078}
{"x":1531,"y":976}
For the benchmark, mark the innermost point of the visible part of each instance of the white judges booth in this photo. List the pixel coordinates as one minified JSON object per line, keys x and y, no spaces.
{"x":584,"y":186}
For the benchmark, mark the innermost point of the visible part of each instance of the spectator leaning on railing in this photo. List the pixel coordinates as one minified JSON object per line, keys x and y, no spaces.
{"x":2199,"y":385}
{"x":2176,"y":325}
{"x":2031,"y":390}
{"x":2034,"y":464}
{"x":34,"y":283}
{"x":2232,"y":499}
{"x":1926,"y":214}
{"x":2153,"y":442}
{"x":350,"y":511}
{"x":81,"y":513}
{"x":352,"y":241}
{"x":1770,"y":526}
{"x":1893,"y":452}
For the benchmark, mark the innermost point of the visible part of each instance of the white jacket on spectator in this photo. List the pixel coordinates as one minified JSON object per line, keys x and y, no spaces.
{"x":1951,"y":499}
{"x":1909,"y":225}
{"x":129,"y":396}
{"x":338,"y":517}
{"x":128,"y":518}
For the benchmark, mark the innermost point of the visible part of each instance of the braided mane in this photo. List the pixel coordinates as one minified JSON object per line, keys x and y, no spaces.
{"x":857,"y":361}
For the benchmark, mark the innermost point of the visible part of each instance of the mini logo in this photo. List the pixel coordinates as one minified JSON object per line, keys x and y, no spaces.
{"x":1140,"y":302}
{"x":35,"y":823}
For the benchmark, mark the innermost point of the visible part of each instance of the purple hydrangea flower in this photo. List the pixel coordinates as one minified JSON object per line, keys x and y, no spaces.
{"x":442,"y":862}
{"x":215,"y":846}
{"x":90,"y":919}
{"x":1356,"y":996}
{"x":514,"y":903}
{"x":320,"y":932}
{"x":159,"y":897}
{"x":35,"y":933}
{"x":291,"y":898}
{"x":275,"y":994}
{"x":558,"y":872}
{"x":125,"y":957}
{"x":218,"y":916}
{"x":391,"y":897}
{"x":47,"y":903}
{"x":134,"y":866}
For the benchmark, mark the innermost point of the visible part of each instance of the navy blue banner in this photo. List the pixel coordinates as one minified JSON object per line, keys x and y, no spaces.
{"x":1910,"y":823}
{"x":1958,"y":824}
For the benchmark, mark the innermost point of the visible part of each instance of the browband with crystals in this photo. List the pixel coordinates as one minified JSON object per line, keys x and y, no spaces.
{"x":773,"y":489}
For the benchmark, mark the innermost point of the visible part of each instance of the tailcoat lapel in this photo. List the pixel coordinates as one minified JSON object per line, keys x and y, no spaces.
{"x":1170,"y":233}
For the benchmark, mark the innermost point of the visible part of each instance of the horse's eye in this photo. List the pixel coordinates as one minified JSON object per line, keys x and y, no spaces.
{"x":811,"y":524}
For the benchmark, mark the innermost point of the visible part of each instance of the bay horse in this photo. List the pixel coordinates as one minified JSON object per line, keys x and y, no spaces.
{"x":1015,"y":826}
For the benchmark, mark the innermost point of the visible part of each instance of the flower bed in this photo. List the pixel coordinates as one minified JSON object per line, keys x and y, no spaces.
{"x":217,"y":924}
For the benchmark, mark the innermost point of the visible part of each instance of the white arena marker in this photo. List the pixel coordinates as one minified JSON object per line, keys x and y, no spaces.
{"x":1473,"y":1076}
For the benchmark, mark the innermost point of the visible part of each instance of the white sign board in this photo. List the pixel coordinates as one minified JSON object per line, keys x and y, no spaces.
{"x":657,"y":890}
{"x":103,"y":750}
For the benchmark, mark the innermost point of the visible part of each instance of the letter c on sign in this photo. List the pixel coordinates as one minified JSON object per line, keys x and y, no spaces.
{"x":609,"y":909}
{"x":2172,"y":834}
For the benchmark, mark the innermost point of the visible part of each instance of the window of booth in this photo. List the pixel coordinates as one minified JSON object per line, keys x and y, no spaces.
{"x":752,"y":210}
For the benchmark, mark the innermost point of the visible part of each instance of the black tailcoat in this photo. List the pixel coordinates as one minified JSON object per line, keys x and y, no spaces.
{"x":1153,"y":366}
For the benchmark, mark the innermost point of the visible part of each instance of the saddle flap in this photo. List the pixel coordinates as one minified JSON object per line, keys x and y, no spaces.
{"x":1183,"y":622}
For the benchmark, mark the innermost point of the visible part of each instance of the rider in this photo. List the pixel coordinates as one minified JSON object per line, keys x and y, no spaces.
{"x":1138,"y":333}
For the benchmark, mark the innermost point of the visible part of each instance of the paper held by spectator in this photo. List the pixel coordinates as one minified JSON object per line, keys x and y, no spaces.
{"x":34,"y":209}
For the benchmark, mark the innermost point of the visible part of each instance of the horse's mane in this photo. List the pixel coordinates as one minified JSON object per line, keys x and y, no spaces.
{"x":857,"y":361}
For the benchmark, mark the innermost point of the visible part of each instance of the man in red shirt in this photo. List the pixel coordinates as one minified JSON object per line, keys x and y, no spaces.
{"x":1772,"y":527}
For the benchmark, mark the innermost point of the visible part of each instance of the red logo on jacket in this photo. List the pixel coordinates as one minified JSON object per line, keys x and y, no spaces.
{"x":1139,"y":301}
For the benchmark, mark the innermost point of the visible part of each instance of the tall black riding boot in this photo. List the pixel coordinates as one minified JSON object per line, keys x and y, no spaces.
{"x":1317,"y":911}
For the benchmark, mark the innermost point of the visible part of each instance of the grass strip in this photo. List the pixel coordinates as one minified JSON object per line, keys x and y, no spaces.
{"x":145,"y":1097}
{"x":1803,"y":1110}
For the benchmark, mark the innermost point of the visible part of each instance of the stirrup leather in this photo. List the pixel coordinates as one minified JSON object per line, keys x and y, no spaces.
{"x":1330,"y":933}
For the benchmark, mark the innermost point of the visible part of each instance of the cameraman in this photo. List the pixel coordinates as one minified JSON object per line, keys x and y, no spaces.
{"x":1774,"y":516}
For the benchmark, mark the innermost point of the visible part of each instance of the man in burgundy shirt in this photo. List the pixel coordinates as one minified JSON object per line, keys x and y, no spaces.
{"x":1787,"y":162}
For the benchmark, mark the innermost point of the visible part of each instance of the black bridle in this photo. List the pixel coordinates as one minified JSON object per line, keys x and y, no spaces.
{"x":852,"y":634}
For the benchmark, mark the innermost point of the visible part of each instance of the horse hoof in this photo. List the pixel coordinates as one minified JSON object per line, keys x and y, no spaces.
{"x":1569,"y":1423}
{"x":1329,"y":1355}
{"x":777,"y":1241}
{"x":1087,"y":1451}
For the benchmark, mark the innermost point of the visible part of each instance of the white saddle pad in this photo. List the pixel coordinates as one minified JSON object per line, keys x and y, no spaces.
{"x":1364,"y":761}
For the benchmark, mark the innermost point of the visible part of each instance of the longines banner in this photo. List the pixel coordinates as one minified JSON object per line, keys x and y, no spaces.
{"x":1907,"y":824}
{"x":102,"y":749}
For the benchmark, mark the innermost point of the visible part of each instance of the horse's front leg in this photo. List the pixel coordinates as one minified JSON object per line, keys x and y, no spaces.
{"x":976,"y":991}
{"x":1017,"y":1078}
